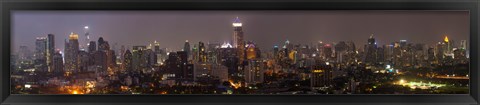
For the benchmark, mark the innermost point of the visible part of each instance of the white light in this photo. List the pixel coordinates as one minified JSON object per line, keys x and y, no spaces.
{"x":237,"y":24}
{"x":86,"y":27}
{"x":28,"y":86}
{"x":328,"y":63}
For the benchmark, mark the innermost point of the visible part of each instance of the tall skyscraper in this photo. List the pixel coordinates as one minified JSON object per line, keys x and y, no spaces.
{"x":71,"y":53}
{"x":50,"y":51}
{"x":127,"y":61}
{"x":187,"y":49}
{"x":87,"y":37}
{"x":202,"y":53}
{"x":40,"y":48}
{"x":238,"y":39}
{"x":371,"y":51}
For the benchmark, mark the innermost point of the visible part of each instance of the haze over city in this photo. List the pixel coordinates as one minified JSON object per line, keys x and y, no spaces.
{"x":266,"y":28}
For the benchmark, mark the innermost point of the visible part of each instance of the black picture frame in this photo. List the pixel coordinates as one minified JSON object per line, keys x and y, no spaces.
{"x":6,"y":6}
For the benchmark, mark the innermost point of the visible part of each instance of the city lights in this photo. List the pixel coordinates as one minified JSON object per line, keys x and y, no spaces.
{"x":240,"y":65}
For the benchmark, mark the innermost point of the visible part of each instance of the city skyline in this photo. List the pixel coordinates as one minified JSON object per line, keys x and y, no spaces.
{"x":244,"y":63}
{"x":323,"y":26}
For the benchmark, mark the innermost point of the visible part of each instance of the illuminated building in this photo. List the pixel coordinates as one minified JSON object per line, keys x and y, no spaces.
{"x":50,"y":51}
{"x":202,"y":53}
{"x":251,"y":53}
{"x":254,"y":72}
{"x":87,"y":37}
{"x":321,"y":75}
{"x":71,"y":53}
{"x":238,"y":39}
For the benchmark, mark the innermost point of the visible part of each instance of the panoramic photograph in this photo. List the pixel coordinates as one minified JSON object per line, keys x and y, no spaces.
{"x":280,"y":52}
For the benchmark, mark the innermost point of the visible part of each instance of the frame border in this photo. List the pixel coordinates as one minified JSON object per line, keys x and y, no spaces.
{"x":6,"y":6}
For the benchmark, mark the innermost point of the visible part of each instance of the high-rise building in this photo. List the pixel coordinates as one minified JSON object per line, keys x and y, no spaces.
{"x":321,"y":75}
{"x":92,"y":46}
{"x":238,"y":39}
{"x":57,"y":63}
{"x":87,"y":37}
{"x":202,"y":53}
{"x":41,"y":48}
{"x":186,"y":48}
{"x":71,"y":53}
{"x":371,"y":51}
{"x":50,"y":51}
{"x":127,"y":61}
{"x":251,"y":51}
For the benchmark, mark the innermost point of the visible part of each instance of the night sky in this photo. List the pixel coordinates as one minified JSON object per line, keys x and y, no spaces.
{"x":266,"y":28}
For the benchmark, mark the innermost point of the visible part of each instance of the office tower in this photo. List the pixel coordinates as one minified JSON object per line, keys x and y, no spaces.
{"x":50,"y":51}
{"x":40,"y":54}
{"x":251,"y":51}
{"x":321,"y":75}
{"x":186,"y":48}
{"x":92,"y":46}
{"x":212,"y":52}
{"x":195,"y":53}
{"x":183,"y":73}
{"x":202,"y":53}
{"x":57,"y":63}
{"x":40,"y":48}
{"x":449,"y":45}
{"x":371,"y":51}
{"x":87,"y":37}
{"x":71,"y":53}
{"x":238,"y":39}
{"x":172,"y":65}
{"x":341,"y":51}
{"x":254,"y":72}
{"x":139,"y":61}
{"x":83,"y":61}
{"x":127,"y":61}
{"x":158,"y":52}
{"x":327,"y":52}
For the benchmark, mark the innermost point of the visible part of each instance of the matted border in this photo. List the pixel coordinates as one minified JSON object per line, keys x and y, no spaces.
{"x":6,"y":6}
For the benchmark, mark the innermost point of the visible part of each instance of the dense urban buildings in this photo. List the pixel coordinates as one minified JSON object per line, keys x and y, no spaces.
{"x":241,"y":67}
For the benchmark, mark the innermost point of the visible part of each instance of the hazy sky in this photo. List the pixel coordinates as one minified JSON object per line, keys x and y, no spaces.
{"x":266,"y":28}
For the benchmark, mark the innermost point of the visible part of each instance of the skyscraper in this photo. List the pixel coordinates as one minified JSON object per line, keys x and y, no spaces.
{"x":202,"y":53}
{"x":238,"y":39}
{"x":71,"y":53}
{"x":187,"y":49}
{"x":50,"y":51}
{"x":57,"y":63}
{"x":40,"y":48}
{"x":127,"y":61}
{"x":371,"y":51}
